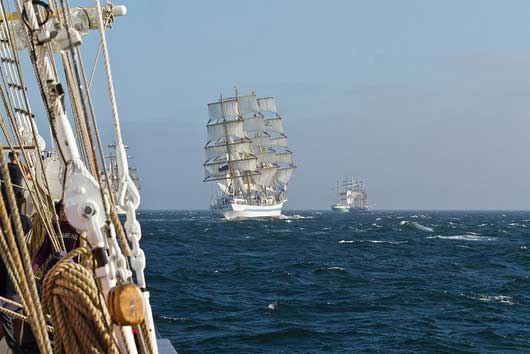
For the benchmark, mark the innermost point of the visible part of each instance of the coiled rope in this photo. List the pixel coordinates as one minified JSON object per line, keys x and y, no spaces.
{"x":81,"y":320}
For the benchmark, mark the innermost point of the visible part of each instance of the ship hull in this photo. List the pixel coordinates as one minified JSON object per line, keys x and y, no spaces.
{"x":245,"y":211}
{"x":358,"y":210}
{"x":339,"y":208}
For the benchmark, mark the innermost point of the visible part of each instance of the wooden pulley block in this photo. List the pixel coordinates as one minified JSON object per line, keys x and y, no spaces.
{"x":126,"y":305}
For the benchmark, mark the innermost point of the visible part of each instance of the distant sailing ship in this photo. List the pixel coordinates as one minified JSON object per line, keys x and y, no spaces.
{"x":351,"y":195}
{"x":247,"y":157}
{"x":113,"y":174}
{"x":339,"y":206}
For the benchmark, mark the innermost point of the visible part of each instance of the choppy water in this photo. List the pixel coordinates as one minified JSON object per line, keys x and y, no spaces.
{"x":388,"y":282}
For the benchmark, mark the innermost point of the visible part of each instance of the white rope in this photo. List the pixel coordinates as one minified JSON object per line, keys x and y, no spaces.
{"x":128,"y":197}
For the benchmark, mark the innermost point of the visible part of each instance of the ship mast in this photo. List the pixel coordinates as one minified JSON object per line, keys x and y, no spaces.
{"x":228,"y":150}
{"x":247,"y":173}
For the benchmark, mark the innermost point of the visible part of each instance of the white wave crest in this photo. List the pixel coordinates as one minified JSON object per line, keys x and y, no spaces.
{"x":508,"y":300}
{"x":415,"y":225}
{"x":373,"y":241}
{"x":335,"y":268}
{"x":175,"y":319}
{"x":465,"y":238}
{"x":295,"y":217}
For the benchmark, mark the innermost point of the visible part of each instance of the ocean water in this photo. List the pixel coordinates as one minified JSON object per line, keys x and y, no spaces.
{"x":321,"y":282}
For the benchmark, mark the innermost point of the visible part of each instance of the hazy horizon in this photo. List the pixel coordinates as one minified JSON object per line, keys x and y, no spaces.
{"x":427,"y":101}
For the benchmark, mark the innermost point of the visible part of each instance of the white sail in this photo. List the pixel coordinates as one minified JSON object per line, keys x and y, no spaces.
{"x":283,"y":157}
{"x":268,"y":141}
{"x":279,"y":141}
{"x":228,"y":110}
{"x":261,"y":140}
{"x":283,"y":175}
{"x":271,"y":156}
{"x":215,"y":151}
{"x":231,"y":128}
{"x":254,"y":123}
{"x":267,"y":104}
{"x":266,"y":176}
{"x":223,"y":185}
{"x":266,"y":157}
{"x":274,"y":125}
{"x":248,"y":105}
{"x":215,"y":168}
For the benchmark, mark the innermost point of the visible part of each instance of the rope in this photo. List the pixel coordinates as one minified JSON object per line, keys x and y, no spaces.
{"x":72,"y":297}
{"x":20,"y":316}
{"x":38,"y":195}
{"x":124,"y":245}
{"x":21,"y":262}
{"x":145,"y":334}
{"x":108,"y":74}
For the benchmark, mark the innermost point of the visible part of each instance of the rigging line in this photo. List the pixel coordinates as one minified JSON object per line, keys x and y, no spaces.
{"x":34,"y":193}
{"x":15,"y":79}
{"x":96,"y":130}
{"x":74,"y":102}
{"x":19,"y":315}
{"x":75,"y":58}
{"x":84,"y":122}
{"x":36,"y":69}
{"x":7,"y":258}
{"x":19,"y":138}
{"x":108,"y":74}
{"x":34,"y":60}
{"x":18,"y":80}
{"x":95,"y":64}
{"x":92,"y":111}
{"x":21,"y":256}
{"x":80,"y":108}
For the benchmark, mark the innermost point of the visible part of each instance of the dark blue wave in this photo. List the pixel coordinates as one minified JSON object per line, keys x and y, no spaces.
{"x":385,"y":282}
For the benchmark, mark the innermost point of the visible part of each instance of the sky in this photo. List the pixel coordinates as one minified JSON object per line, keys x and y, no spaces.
{"x":428,"y":101}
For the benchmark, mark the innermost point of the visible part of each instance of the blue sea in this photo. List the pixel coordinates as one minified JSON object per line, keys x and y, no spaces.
{"x":323,"y":282}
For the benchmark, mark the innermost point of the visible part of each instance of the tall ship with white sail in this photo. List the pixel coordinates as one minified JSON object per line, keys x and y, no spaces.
{"x":247,"y":157}
{"x":356,"y":194}
{"x":351,"y":195}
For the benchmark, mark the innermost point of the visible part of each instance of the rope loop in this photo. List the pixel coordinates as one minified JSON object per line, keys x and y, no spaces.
{"x":48,"y":14}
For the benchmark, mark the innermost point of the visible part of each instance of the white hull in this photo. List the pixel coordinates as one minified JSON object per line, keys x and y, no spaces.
{"x":245,"y":211}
